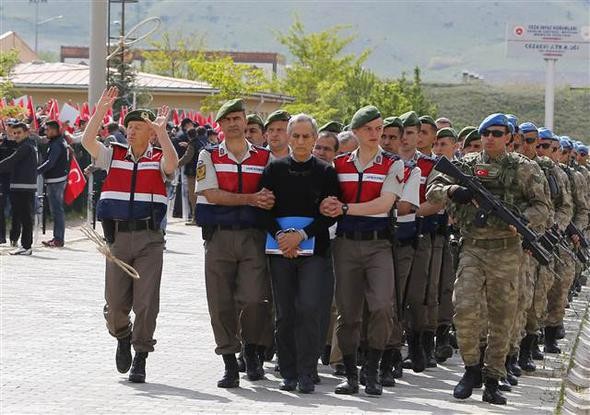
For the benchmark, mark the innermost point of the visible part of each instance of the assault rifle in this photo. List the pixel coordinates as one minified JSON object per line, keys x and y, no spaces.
{"x":489,"y":204}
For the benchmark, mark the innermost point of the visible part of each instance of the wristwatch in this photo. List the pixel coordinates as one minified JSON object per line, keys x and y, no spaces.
{"x":344,"y":209}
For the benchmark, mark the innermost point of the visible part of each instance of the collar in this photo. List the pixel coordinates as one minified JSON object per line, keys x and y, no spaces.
{"x":378,"y":159}
{"x":297,"y":161}
{"x":148,"y":153}
{"x":223,"y":148}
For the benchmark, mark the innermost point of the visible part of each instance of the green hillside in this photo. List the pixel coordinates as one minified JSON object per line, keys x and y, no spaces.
{"x":469,"y":104}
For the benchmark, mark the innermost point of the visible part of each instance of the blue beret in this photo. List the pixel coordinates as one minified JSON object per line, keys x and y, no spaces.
{"x":494,"y":119}
{"x":583,"y":149}
{"x":547,"y":134}
{"x":528,"y":127}
{"x":565,"y":143}
{"x":513,"y":121}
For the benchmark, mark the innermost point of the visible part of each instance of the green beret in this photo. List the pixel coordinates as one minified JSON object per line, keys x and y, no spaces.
{"x":393,"y":122}
{"x":364,"y":116}
{"x":447,"y":132}
{"x":463,"y":133}
{"x":139,"y":115}
{"x":255,"y":119}
{"x":410,"y":119}
{"x":234,"y":105}
{"x":427,"y":119}
{"x":332,"y":126}
{"x":472,"y":136}
{"x":278,"y":115}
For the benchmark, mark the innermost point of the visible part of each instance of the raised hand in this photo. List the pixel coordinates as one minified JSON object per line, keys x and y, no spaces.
{"x":159,"y":124}
{"x":109,"y":95}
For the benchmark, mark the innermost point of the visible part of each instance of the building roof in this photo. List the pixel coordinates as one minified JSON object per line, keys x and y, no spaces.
{"x":59,"y":75}
{"x":11,"y":40}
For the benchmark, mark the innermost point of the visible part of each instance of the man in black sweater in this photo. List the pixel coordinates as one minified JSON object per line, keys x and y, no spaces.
{"x":300,"y":182}
{"x":22,"y":166}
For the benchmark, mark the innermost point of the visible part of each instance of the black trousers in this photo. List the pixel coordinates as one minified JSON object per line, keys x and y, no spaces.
{"x":22,"y":204}
{"x":299,"y":294}
{"x":3,"y":203}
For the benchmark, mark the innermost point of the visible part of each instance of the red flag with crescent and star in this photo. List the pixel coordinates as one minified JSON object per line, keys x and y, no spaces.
{"x":76,"y":182}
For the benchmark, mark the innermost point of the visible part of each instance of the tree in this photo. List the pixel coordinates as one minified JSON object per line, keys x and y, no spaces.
{"x":332,"y":85}
{"x":171,"y":54}
{"x":8,"y":61}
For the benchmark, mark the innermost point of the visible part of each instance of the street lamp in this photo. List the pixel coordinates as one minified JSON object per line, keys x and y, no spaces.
{"x":39,"y":24}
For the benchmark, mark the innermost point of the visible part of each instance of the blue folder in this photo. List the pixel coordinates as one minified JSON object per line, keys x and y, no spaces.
{"x":296,"y":222}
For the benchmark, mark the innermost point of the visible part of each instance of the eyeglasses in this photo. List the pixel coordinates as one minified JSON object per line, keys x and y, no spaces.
{"x":546,"y":146}
{"x":494,"y":133}
{"x":530,"y":140}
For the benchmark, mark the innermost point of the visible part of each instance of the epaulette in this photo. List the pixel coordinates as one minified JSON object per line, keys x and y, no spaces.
{"x":343,"y":155}
{"x":390,"y":155}
{"x":261,"y":148}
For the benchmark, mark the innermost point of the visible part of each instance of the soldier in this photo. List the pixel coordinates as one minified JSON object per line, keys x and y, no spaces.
{"x":370,"y":182}
{"x":392,"y":133}
{"x":490,"y":254}
{"x":132,"y":205}
{"x":418,"y":285}
{"x":427,"y":135}
{"x":443,"y":122}
{"x":255,"y":130}
{"x":275,"y":129}
{"x":236,"y":277}
{"x":471,"y":143}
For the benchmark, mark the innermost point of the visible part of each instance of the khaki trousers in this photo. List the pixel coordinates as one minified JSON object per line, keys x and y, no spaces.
{"x":143,"y":250}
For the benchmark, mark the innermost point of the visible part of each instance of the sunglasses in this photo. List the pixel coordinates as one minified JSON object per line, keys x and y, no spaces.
{"x":530,"y":140}
{"x":546,"y":146}
{"x":493,"y":133}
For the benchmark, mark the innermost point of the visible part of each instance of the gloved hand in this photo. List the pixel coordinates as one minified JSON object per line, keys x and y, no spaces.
{"x":462,"y":195}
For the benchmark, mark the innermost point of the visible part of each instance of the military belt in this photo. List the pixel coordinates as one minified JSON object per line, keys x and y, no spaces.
{"x":365,"y":236}
{"x":492,"y":243}
{"x":133,"y":225}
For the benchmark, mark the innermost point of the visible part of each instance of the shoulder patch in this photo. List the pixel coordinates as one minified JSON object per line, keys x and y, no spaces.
{"x":201,"y":170}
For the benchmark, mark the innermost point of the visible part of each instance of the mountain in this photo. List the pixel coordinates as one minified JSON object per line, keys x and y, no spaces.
{"x":442,"y":37}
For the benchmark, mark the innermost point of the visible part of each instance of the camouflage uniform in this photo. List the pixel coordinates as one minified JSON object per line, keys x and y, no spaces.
{"x":557,"y":297}
{"x":490,"y":255}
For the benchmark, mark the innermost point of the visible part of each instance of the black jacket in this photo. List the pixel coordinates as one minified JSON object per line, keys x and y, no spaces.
{"x":55,"y":169}
{"x":22,"y":166}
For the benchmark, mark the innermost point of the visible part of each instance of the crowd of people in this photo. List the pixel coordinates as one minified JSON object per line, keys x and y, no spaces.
{"x":339,"y":244}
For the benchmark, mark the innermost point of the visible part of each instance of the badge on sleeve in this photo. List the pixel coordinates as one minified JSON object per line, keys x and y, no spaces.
{"x":201,"y":170}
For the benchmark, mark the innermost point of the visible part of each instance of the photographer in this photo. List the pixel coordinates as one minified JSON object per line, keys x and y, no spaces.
{"x":197,"y":140}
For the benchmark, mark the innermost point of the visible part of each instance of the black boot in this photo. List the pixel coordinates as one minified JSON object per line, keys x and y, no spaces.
{"x":479,"y":378}
{"x":397,"y":364}
{"x":464,"y":388}
{"x":559,"y":332}
{"x":535,"y":351}
{"x":241,"y":362}
{"x":453,"y":338}
{"x":254,"y":369}
{"x":525,"y":358}
{"x":428,"y":346}
{"x":351,"y":385}
{"x":492,"y":394}
{"x":416,"y":351}
{"x":326,"y":355}
{"x":514,"y":366}
{"x":443,"y":350}
{"x":373,"y":386}
{"x":550,"y":340}
{"x":315,"y":376}
{"x":137,"y":373}
{"x":123,"y":355}
{"x":231,"y":376}
{"x":504,"y":385}
{"x":261,"y":353}
{"x":386,"y":369}
{"x":510,"y":377}
{"x":363,"y":375}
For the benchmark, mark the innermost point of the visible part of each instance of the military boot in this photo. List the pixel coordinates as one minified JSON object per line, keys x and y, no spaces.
{"x":351,"y":385}
{"x":464,"y":388}
{"x":325,"y":357}
{"x":231,"y":376}
{"x":504,"y":385}
{"x":373,"y":386}
{"x":416,"y":351}
{"x":550,"y":340}
{"x":443,"y":350}
{"x":254,"y":369}
{"x":397,"y":364}
{"x":137,"y":373}
{"x":525,"y":357}
{"x":510,"y":377}
{"x":514,"y":366}
{"x":535,"y":351}
{"x":261,"y":353}
{"x":241,"y":362}
{"x":428,"y":346}
{"x":363,"y":375}
{"x":123,"y":355}
{"x":386,"y":369}
{"x":559,"y":332}
{"x":492,"y":394}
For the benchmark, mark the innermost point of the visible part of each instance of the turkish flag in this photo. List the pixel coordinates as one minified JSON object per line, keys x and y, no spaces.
{"x":76,"y":182}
